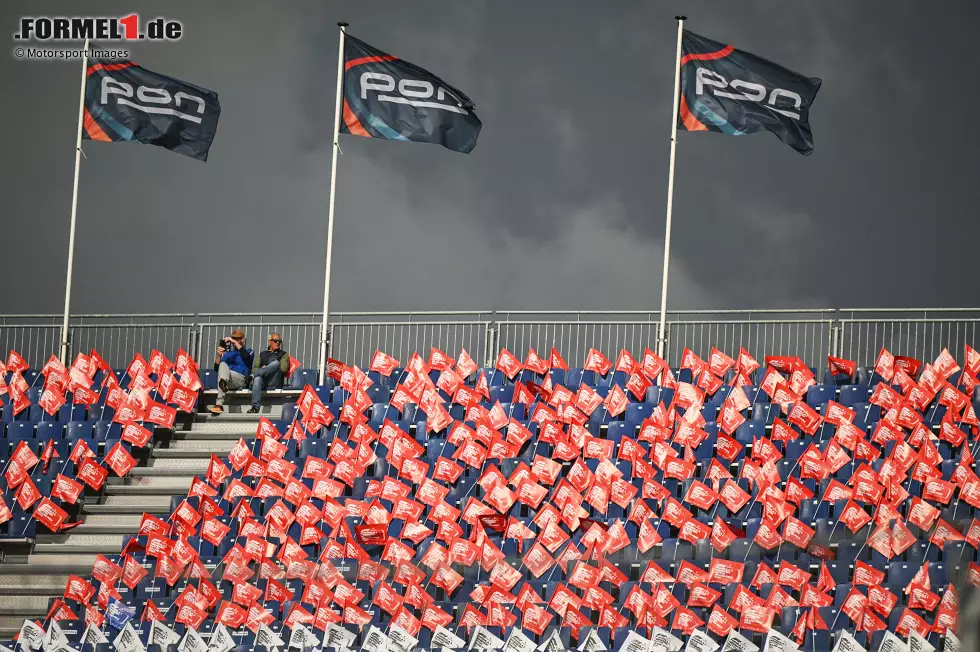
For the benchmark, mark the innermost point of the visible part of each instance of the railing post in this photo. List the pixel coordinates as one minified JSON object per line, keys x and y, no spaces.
{"x":665,"y":337}
{"x":835,"y":339}
{"x":491,"y":340}
{"x":192,"y":339}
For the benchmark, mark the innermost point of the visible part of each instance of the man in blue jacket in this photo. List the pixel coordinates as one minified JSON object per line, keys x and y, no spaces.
{"x":233,"y":362}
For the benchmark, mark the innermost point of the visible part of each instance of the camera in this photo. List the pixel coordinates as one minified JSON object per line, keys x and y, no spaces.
{"x":222,"y":342}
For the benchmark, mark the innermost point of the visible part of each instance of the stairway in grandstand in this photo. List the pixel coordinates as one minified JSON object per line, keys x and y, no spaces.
{"x":28,"y":582}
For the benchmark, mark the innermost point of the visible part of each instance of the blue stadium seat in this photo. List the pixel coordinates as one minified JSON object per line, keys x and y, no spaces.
{"x":818,"y":395}
{"x":209,"y":379}
{"x":303,"y":377}
{"x":851,"y":395}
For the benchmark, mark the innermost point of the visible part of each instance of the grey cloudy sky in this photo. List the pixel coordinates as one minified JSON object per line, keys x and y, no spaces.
{"x":560,"y":206}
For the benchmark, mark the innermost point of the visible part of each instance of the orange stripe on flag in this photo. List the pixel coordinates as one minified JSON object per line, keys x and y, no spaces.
{"x":356,"y":62}
{"x":690,"y":122}
{"x":93,"y":129}
{"x":353,"y":124}
{"x":708,"y":56}
{"x":108,"y":66}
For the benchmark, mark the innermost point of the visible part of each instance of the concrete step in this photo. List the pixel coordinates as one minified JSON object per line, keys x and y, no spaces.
{"x":216,"y":446}
{"x":73,"y":544}
{"x":237,"y":408}
{"x":41,"y":560}
{"x":33,"y":583}
{"x":216,"y":436}
{"x":127,"y":504}
{"x":152,"y":486}
{"x":110,"y":524}
{"x":176,"y":464}
{"x":10,"y":625}
{"x":24,"y":605}
{"x":200,"y":467}
{"x":222,"y":429}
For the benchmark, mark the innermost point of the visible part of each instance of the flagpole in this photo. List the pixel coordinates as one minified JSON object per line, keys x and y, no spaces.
{"x":333,"y":195}
{"x":662,"y":335}
{"x":74,"y":206}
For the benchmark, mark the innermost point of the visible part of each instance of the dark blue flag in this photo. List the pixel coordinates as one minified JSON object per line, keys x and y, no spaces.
{"x":387,"y":97}
{"x":118,"y":613}
{"x":735,"y":92}
{"x":126,"y":102}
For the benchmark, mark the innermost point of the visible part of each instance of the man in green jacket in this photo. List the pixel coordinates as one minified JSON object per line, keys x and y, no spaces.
{"x":269,"y":370}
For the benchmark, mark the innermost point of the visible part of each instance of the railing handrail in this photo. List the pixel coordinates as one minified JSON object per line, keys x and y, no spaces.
{"x":423,"y":313}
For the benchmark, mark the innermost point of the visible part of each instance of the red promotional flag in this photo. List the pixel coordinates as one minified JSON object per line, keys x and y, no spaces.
{"x":47,"y":455}
{"x":841,"y":367}
{"x":78,"y":589}
{"x":597,"y":362}
{"x":50,"y":515}
{"x":508,"y":363}
{"x":797,"y":532}
{"x":91,"y":473}
{"x":558,"y":362}
{"x":383,"y":363}
{"x":119,"y":460}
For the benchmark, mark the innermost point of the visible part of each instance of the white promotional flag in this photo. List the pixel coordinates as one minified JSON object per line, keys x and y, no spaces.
{"x":892,"y":643}
{"x":93,"y":636}
{"x":376,"y":641}
{"x":952,"y":642}
{"x":847,"y":643}
{"x":663,"y":638}
{"x":338,"y":637}
{"x":55,"y":638}
{"x":302,"y":638}
{"x":31,"y":635}
{"x":919,"y":644}
{"x":592,"y":643}
{"x":636,"y":643}
{"x":738,"y":643}
{"x":193,"y":642}
{"x":776,"y":642}
{"x":401,"y":641}
{"x":699,"y":641}
{"x":266,"y":638}
{"x":519,"y":642}
{"x":484,"y":639}
{"x":552,"y":643}
{"x":445,"y":639}
{"x":128,"y":640}
{"x":162,"y":635}
{"x":221,"y":639}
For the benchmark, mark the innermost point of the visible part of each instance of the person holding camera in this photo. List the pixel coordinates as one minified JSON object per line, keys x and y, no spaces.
{"x":233,"y":361}
{"x":271,"y":367}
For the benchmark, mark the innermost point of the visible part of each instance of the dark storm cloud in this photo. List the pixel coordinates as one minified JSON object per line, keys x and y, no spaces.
{"x":561,"y":205}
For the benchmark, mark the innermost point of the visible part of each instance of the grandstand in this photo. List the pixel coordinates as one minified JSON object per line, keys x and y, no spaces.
{"x":826,"y":490}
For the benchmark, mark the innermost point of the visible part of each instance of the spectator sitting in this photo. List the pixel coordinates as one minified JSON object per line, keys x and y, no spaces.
{"x":232,"y":362}
{"x":270,"y":368}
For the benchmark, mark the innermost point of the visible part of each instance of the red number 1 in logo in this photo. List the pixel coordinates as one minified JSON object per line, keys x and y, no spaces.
{"x":131,"y":23}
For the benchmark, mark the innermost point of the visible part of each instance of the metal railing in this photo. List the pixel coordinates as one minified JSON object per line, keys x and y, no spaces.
{"x":856,"y":334}
{"x":811,"y":340}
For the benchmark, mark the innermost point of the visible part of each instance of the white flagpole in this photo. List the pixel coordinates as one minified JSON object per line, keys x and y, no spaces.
{"x":662,"y":335}
{"x":333,"y":193}
{"x":74,"y":207}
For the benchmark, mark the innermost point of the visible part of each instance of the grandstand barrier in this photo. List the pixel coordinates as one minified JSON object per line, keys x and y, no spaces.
{"x":353,"y":337}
